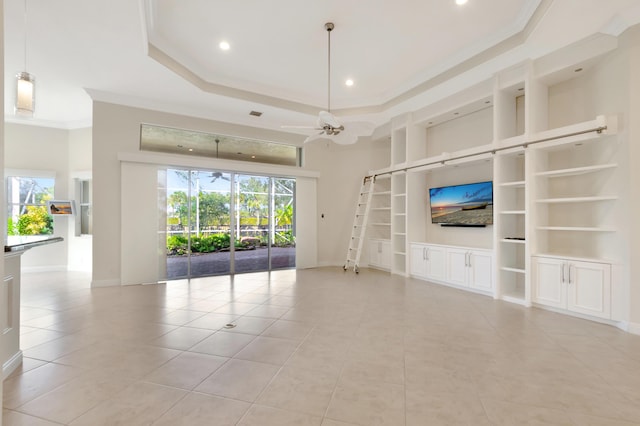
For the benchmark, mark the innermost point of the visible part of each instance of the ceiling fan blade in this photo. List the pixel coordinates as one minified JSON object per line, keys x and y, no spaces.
{"x":344,"y":138}
{"x":360,"y":128}
{"x":301,"y":127}
{"x":315,"y":137}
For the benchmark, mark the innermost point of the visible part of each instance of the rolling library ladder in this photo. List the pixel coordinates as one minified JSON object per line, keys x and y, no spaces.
{"x":360,"y":224}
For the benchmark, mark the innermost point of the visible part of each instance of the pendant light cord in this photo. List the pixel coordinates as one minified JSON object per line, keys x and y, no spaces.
{"x":329,"y":28}
{"x":25,"y":35}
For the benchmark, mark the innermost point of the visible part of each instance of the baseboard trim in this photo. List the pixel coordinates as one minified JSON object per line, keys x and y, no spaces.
{"x":105,"y":283}
{"x":11,"y":364}
{"x":52,"y":268}
{"x":632,"y":327}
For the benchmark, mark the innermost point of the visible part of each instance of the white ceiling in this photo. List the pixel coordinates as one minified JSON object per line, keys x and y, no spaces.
{"x":163,"y":54}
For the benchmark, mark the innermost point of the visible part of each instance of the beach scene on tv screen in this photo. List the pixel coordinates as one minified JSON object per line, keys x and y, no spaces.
{"x":470,"y":204}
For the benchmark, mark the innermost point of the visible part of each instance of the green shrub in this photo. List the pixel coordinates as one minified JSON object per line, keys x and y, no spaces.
{"x":36,"y":221}
{"x":284,"y":239}
{"x":178,"y":244}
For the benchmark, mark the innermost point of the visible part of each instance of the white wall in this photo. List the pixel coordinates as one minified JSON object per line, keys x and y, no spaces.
{"x":3,"y":212}
{"x":631,"y":227}
{"x":80,"y":164}
{"x":464,"y":132}
{"x":63,"y":153}
{"x":342,"y":169}
{"x":139,"y":213}
{"x":42,"y":149}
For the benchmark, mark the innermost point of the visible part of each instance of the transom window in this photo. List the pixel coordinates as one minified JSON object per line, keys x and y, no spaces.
{"x":201,"y":144}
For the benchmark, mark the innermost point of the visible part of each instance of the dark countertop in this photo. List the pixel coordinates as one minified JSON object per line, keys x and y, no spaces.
{"x":22,"y":243}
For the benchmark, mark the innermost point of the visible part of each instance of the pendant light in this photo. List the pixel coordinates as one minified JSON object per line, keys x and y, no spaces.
{"x":25,"y":82}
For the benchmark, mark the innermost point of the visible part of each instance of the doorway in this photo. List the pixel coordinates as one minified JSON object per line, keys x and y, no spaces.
{"x":221,"y":223}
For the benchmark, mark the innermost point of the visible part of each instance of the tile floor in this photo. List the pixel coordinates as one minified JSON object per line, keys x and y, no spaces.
{"x":312,"y":347}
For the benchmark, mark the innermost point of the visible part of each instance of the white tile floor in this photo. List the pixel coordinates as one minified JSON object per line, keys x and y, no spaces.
{"x":313,"y":347}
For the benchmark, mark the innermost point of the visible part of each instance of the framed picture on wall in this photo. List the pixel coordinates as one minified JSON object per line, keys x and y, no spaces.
{"x":61,"y":207}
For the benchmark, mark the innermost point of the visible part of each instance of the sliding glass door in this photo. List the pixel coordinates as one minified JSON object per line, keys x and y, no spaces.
{"x":220,"y":223}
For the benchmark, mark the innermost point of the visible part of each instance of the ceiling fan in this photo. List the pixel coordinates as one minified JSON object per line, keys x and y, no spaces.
{"x":330,"y":127}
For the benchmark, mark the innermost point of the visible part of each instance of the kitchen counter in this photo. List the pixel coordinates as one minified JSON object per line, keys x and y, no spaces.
{"x":15,"y":247}
{"x":25,"y":242}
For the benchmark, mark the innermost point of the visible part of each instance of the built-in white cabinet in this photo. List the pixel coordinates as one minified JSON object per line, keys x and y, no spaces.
{"x":428,"y":262}
{"x":470,"y":268}
{"x":380,"y":254}
{"x":574,"y":285}
{"x":556,"y":173}
{"x":459,"y":266}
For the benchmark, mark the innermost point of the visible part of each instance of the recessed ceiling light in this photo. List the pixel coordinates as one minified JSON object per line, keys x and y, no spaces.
{"x":224,"y":45}
{"x":190,"y":149}
{"x":461,"y":2}
{"x":349,"y":82}
{"x":253,"y":156}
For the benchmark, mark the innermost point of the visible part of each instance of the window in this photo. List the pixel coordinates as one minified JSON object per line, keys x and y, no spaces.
{"x":200,"y":144}
{"x":26,"y":202}
{"x":86,"y":219}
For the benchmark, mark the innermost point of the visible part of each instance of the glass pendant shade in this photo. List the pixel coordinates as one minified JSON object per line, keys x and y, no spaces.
{"x":25,"y":94}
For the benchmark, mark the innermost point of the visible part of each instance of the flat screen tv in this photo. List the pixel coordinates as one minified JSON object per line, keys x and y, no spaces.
{"x":470,"y":204}
{"x":61,"y":207}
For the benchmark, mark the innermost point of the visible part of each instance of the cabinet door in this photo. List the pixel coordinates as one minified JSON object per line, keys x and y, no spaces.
{"x":418,"y":260}
{"x":436,"y":263}
{"x":385,"y":255}
{"x":481,"y":270}
{"x":548,"y":276}
{"x":589,"y":288}
{"x":374,"y":252}
{"x":457,"y":266}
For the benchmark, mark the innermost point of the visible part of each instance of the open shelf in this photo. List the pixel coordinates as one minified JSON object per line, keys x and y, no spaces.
{"x":508,"y":240}
{"x":509,"y":269}
{"x":513,"y":212}
{"x":380,"y":224}
{"x":575,"y":171}
{"x":515,"y":184}
{"x":576,"y":199}
{"x":575,"y":228}
{"x":382,"y":193}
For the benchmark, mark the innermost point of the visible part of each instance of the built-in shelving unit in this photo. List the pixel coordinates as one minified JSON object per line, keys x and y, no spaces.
{"x":380,"y":210}
{"x":553,"y":171}
{"x":399,"y":223}
{"x":575,"y":198}
{"x":511,"y":230}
